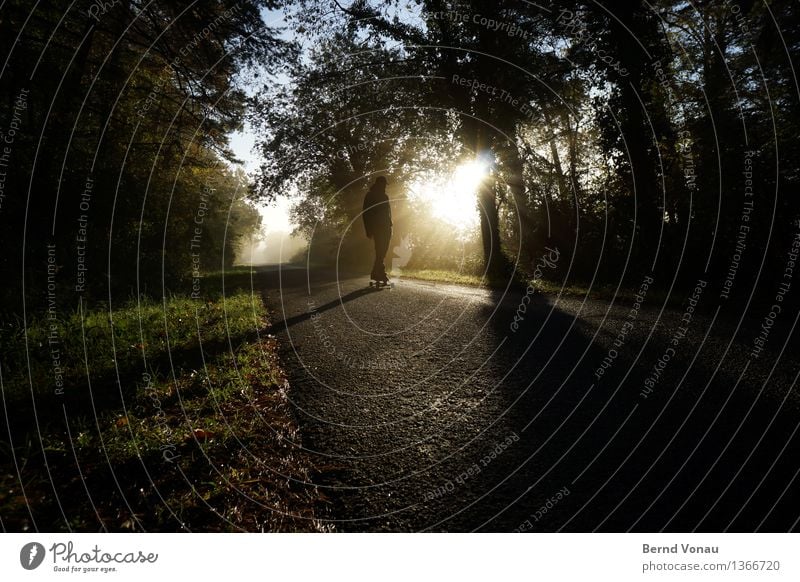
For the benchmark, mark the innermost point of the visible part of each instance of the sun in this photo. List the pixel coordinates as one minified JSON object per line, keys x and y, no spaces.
{"x":452,"y":198}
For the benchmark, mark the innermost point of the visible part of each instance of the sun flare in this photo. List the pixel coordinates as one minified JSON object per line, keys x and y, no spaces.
{"x":452,"y":199}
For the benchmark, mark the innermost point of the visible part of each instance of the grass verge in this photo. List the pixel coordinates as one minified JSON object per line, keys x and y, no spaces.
{"x":154,"y":416}
{"x":543,"y":286}
{"x":443,"y":276}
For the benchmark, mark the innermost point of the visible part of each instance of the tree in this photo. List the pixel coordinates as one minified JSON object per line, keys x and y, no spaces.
{"x":124,"y":107}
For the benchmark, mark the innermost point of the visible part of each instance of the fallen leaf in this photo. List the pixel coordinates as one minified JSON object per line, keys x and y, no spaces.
{"x":203,"y":435}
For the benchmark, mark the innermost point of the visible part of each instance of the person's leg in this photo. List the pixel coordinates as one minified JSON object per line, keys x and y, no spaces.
{"x":381,"y":248}
{"x":377,"y":264}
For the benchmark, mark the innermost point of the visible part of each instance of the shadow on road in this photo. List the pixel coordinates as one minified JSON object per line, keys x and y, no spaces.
{"x":641,"y":437}
{"x":353,"y":295}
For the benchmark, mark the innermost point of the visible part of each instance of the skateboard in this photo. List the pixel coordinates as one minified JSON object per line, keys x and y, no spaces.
{"x":380,"y":284}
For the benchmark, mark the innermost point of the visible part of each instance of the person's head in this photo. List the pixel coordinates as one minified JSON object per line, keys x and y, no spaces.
{"x":380,"y":184}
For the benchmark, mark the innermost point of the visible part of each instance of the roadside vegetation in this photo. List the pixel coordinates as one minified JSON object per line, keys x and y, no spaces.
{"x":603,"y":292}
{"x":155,"y":415}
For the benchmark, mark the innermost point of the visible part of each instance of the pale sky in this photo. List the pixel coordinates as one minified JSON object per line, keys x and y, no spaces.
{"x":275,"y":217}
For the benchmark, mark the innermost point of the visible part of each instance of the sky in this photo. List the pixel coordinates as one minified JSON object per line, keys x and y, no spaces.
{"x":275,"y":216}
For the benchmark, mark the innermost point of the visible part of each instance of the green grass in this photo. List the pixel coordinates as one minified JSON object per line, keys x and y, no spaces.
{"x":196,"y":381}
{"x":543,"y":286}
{"x":443,"y":276}
{"x":453,"y":277}
{"x":141,"y":329}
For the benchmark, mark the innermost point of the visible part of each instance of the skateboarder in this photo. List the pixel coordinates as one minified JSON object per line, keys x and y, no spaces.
{"x":378,"y":226}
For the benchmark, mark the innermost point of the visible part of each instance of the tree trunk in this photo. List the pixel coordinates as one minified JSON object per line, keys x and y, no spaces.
{"x":563,"y":190}
{"x":515,"y":179}
{"x":493,"y":259}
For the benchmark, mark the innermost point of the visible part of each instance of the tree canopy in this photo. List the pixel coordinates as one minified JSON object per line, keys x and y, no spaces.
{"x":628,"y":134}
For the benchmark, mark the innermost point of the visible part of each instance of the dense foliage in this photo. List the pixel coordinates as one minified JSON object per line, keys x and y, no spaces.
{"x":117,"y":174}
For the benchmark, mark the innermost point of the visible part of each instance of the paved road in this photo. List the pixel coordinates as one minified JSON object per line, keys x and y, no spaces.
{"x":430,"y":413}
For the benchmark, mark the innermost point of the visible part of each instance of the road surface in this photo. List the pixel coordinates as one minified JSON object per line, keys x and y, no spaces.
{"x":429,"y":410}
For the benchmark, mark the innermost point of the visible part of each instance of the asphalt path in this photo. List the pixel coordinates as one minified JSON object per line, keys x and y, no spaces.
{"x":429,"y":407}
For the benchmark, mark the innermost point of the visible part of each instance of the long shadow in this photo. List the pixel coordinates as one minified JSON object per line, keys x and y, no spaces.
{"x":703,"y":450}
{"x":543,"y":394}
{"x":353,"y":295}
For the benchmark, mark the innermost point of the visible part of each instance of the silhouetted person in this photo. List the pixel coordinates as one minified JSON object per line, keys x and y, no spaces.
{"x":378,"y":225}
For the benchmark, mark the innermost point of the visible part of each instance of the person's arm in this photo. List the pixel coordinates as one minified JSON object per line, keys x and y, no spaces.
{"x":367,"y":216}
{"x":389,"y":210}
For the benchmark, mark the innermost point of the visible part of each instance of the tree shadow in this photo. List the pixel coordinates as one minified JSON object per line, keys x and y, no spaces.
{"x":540,"y":385}
{"x":629,"y":459}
